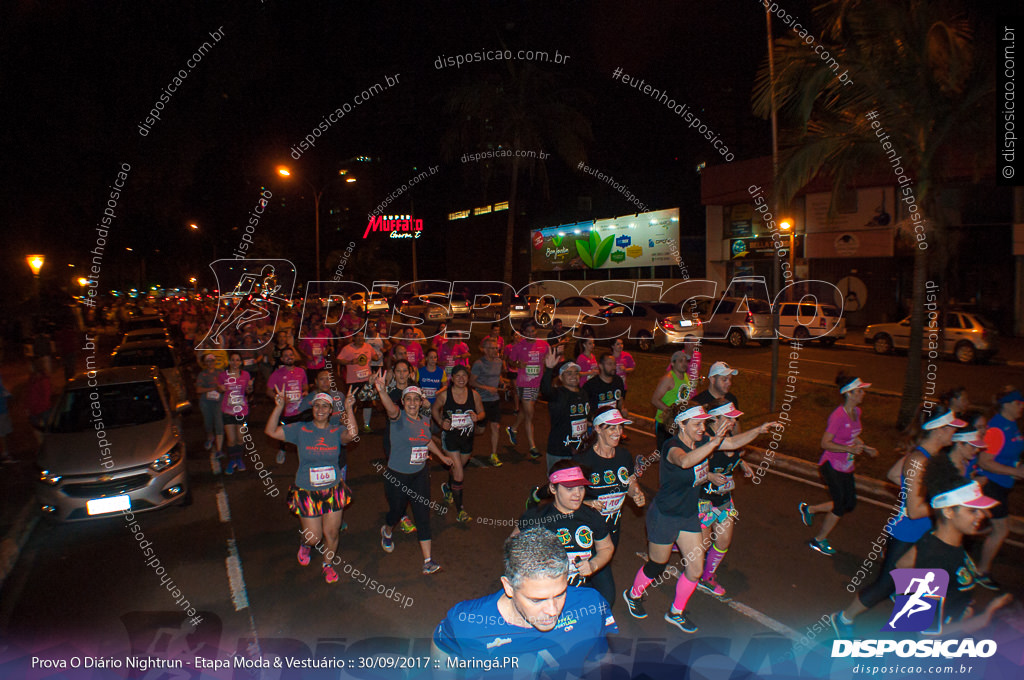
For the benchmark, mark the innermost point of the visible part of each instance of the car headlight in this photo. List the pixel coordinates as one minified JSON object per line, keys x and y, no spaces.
{"x":48,"y":477}
{"x":167,"y":460}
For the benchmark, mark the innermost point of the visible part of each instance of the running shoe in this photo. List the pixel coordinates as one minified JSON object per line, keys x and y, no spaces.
{"x":679,"y":620}
{"x":303,"y":555}
{"x":240,"y":465}
{"x":824,"y":547}
{"x":406,"y":525}
{"x":330,"y":575}
{"x":534,"y":453}
{"x":986,"y":581}
{"x":495,"y":461}
{"x":229,"y":467}
{"x":511,"y":434}
{"x":843,"y":630}
{"x":446,"y":491}
{"x":430,"y":566}
{"x":634,"y":604}
{"x":386,"y":542}
{"x":533,"y":499}
{"x":280,"y":457}
{"x":711,"y":587}
{"x":806,"y":516}
{"x":208,"y":445}
{"x":463,"y":516}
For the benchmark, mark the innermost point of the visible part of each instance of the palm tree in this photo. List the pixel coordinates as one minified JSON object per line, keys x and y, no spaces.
{"x":915,"y":63}
{"x":526,"y":108}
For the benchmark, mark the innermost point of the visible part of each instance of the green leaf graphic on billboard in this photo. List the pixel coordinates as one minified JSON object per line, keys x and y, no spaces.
{"x":601,"y":256}
{"x":618,"y":256}
{"x":595,"y":242}
{"x":557,"y":240}
{"x":583,"y":248}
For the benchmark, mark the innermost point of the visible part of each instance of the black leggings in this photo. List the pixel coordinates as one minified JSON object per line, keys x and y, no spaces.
{"x":400,"y":489}
{"x":841,"y":488}
{"x":884,"y":586}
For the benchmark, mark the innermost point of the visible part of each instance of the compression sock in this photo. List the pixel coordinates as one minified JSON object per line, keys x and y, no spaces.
{"x":645,"y":576}
{"x":711,"y":562}
{"x":684,"y":589}
{"x":457,"y":495}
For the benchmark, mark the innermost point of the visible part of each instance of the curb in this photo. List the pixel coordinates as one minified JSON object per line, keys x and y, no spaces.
{"x":17,"y":535}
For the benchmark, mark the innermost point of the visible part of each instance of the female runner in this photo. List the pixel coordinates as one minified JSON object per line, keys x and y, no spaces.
{"x":456,"y":409}
{"x":235,"y":384}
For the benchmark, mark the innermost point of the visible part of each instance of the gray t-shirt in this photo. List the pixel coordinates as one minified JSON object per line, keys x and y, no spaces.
{"x":487,"y":373}
{"x":409,"y":439}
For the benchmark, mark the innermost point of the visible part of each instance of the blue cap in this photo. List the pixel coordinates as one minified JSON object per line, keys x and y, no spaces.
{"x":1011,"y":397}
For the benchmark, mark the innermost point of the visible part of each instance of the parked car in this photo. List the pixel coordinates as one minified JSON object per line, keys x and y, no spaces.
{"x":458,"y":302}
{"x":811,"y":321}
{"x":372,"y":303}
{"x":135,"y":323}
{"x":965,"y":336}
{"x":138,"y":463}
{"x":737,"y":320}
{"x":429,"y":307}
{"x":573,"y":310}
{"x":161,"y":354}
{"x":144,"y":335}
{"x":649,"y":324}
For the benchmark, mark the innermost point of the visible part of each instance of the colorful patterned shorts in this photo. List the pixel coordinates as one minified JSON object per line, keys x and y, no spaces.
{"x":305,"y":503}
{"x":709,"y":514}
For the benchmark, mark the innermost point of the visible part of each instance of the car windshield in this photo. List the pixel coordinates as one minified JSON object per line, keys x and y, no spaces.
{"x":113,"y":406}
{"x":160,"y":357}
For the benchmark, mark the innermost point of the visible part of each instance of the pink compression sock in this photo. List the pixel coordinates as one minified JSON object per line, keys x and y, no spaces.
{"x":712,"y":561}
{"x":640,"y":583}
{"x":684,"y":589}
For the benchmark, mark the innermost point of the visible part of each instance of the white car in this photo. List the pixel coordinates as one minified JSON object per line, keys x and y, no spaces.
{"x":368,"y":304}
{"x":573,"y":310}
{"x":811,"y":321}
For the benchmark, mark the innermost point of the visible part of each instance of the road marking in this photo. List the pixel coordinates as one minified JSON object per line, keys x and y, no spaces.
{"x":239,"y":595}
{"x":764,"y":620}
{"x":222,"y":506}
{"x":830,"y":363}
{"x":214,"y":463}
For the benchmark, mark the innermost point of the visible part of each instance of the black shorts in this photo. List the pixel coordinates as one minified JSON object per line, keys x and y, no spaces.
{"x":1001,"y":494}
{"x":232,"y":419}
{"x":841,"y":488}
{"x":457,"y":443}
{"x":492,"y":411}
{"x":664,"y":529}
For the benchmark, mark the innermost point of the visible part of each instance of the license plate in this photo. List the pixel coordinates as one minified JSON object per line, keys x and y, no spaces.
{"x":104,"y":505}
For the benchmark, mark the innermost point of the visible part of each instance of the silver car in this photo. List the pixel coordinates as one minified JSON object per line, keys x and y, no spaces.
{"x":113,"y":443}
{"x":646,"y":323}
{"x":737,"y":320}
{"x":162,"y":355}
{"x":966,"y":336}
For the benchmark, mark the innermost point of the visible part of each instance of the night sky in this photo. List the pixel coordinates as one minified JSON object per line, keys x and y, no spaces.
{"x":81,"y":77}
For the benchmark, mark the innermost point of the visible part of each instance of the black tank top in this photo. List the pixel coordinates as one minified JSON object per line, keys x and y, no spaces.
{"x":456,"y":412}
{"x":933,"y":553}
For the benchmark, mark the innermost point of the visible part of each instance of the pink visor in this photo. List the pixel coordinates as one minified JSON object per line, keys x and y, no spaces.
{"x":569,"y":477}
{"x":969,"y":494}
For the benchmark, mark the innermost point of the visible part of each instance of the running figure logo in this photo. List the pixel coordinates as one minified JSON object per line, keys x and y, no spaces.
{"x":919,"y":597}
{"x":256,"y":292}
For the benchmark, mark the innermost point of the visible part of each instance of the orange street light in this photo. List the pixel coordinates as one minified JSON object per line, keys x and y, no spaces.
{"x":194,"y":225}
{"x":35,"y":263}
{"x":283,"y":171}
{"x":82,"y":281}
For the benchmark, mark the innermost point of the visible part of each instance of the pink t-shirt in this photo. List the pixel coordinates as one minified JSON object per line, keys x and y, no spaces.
{"x":413,"y":352}
{"x":587,"y":363}
{"x":290,"y":381}
{"x":622,"y":363}
{"x":358,"y":370}
{"x":316,"y":348}
{"x":233,"y":401}
{"x":844,"y":430}
{"x":447,"y":353}
{"x":531,"y":354}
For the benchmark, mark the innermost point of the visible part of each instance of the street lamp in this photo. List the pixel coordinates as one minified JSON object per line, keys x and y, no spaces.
{"x":786,"y":226}
{"x":193,"y":225}
{"x":35,"y":263}
{"x":317,"y":194}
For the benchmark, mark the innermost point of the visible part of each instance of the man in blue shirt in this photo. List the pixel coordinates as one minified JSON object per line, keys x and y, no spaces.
{"x":536,"y":626}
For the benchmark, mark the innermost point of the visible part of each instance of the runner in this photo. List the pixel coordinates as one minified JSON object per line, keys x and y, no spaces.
{"x":674,"y":387}
{"x":959,"y":508}
{"x":719,"y":385}
{"x":397,"y":380}
{"x":581,"y":530}
{"x":452,"y":352}
{"x":612,"y":478}
{"x":841,"y":442}
{"x":624,"y":362}
{"x":234,"y":384}
{"x":318,"y":496}
{"x":674,"y":515}
{"x":407,"y":476}
{"x":718,"y":515}
{"x":485,"y":377}
{"x":290,"y":380}
{"x":413,"y":348}
{"x":932,"y":433}
{"x":536,"y":619}
{"x":316,"y":346}
{"x":495,"y":335}
{"x":586,"y":360}
{"x":322,"y":385}
{"x":607,"y":389}
{"x":432,"y":377}
{"x":1004,"y":445}
{"x":356,"y":358}
{"x":209,"y":404}
{"x":457,"y":409}
{"x":967,"y":443}
{"x":527,"y":357}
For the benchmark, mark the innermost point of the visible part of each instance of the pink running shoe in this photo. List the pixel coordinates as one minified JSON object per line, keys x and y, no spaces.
{"x":330,"y":575}
{"x":303,"y":555}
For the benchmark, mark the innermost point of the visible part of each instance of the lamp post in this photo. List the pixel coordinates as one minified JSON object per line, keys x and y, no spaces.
{"x":35,"y":263}
{"x":786,"y":226}
{"x":317,"y":194}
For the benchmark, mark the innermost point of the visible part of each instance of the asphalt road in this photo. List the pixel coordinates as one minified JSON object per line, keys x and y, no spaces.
{"x":86,"y":588}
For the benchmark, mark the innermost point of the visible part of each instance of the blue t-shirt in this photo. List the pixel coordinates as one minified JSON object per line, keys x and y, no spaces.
{"x":321,"y":455}
{"x":1004,"y":441}
{"x":430,"y":382}
{"x":474,"y":631}
{"x":906,"y":529}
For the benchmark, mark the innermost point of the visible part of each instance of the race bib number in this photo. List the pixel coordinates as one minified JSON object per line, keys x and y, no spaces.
{"x":461,"y":420}
{"x":419,"y":455}
{"x":293,"y":395}
{"x":612,"y":503}
{"x":236,"y":399}
{"x":700,"y":473}
{"x":574,"y":573}
{"x":532,"y":370}
{"x":429,"y":392}
{"x":579,"y":428}
{"x":213,"y":394}
{"x":322,"y":476}
{"x":317,"y":350}
{"x":362,"y":373}
{"x":248,"y":362}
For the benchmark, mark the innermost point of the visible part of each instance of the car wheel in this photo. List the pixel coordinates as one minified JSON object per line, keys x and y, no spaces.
{"x":965,"y":352}
{"x":544,"y":319}
{"x":801,"y":333}
{"x":883,"y":344}
{"x":645,"y":342}
{"x":736,"y":338}
{"x":828,"y":342}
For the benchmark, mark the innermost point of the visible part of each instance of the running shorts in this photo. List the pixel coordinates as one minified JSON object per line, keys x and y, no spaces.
{"x":316,"y":503}
{"x":664,"y":529}
{"x":841,"y":488}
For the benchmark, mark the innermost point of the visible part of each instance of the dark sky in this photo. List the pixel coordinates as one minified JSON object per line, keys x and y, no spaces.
{"x":80,"y":77}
